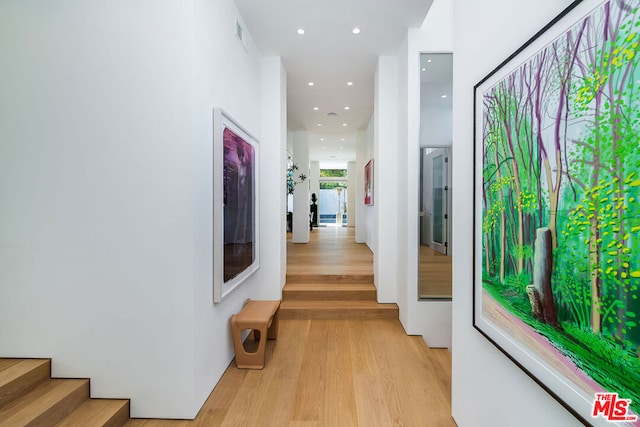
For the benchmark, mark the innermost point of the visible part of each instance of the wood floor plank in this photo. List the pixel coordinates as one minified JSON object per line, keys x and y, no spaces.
{"x":388,"y":357}
{"x":339,"y":398}
{"x":371,"y":401}
{"x":140,"y":422}
{"x":278,"y":403}
{"x":310,"y":391}
{"x":289,"y":349}
{"x":246,"y":405}
{"x":362,"y":356}
{"x":225,"y":391}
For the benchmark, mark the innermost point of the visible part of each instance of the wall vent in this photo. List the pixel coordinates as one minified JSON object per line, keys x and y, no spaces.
{"x":240,"y":34}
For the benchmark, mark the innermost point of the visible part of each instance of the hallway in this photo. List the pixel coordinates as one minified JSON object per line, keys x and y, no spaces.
{"x":331,"y":250}
{"x":333,"y":372}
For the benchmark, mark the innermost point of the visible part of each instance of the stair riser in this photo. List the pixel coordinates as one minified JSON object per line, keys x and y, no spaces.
{"x":120,"y":418}
{"x":330,"y":278}
{"x":24,"y":383}
{"x":328,"y":295}
{"x":98,"y":412}
{"x":337,"y":314}
{"x":62,"y":407}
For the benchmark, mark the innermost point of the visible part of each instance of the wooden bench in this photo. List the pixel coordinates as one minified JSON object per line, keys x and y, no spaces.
{"x":262,"y":318}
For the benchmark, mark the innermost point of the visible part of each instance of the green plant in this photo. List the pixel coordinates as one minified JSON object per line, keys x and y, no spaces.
{"x":291,"y":179}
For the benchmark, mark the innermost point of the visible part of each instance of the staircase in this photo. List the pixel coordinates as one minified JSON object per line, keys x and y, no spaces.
{"x":30,"y":397}
{"x":331,"y":296}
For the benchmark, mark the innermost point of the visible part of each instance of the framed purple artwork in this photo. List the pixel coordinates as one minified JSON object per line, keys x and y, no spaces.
{"x":368,"y":183}
{"x":235,"y":205}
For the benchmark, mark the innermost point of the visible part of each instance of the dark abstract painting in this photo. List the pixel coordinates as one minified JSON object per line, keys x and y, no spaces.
{"x":236,"y":222}
{"x":239,"y":207}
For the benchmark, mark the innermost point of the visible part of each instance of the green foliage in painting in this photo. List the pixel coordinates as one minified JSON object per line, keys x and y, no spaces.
{"x":561,"y":150}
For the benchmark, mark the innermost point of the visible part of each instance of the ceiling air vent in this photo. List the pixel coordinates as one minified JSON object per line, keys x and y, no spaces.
{"x":240,"y":34}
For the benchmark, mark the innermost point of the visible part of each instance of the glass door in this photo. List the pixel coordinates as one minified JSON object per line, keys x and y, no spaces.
{"x":436,"y":201}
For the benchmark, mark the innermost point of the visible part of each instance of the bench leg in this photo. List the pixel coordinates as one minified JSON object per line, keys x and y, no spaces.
{"x":272,"y":332}
{"x":244,"y":359}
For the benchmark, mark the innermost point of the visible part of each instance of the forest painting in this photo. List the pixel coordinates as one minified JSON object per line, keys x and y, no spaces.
{"x":557,"y":217}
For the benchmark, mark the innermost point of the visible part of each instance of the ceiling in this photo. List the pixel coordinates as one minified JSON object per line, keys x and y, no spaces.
{"x":436,"y":79}
{"x":330,"y":55}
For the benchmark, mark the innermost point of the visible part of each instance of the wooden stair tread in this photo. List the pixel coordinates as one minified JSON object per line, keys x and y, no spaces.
{"x":329,"y":278}
{"x":329,"y":293}
{"x":354,"y":310}
{"x":18,"y":376}
{"x":98,"y":413}
{"x":331,"y":286}
{"x":46,"y":404}
{"x":361,"y":305}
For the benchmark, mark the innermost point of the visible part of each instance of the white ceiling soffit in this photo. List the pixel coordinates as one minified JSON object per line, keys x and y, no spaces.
{"x":330,"y":55}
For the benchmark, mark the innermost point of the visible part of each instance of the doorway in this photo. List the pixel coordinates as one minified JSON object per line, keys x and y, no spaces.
{"x":435,"y":224}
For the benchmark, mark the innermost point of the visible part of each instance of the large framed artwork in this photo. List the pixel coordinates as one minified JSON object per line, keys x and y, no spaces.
{"x":368,"y":183}
{"x":557,"y":209}
{"x":235,"y":205}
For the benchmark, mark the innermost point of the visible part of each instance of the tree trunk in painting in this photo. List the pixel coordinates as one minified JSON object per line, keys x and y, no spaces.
{"x":542,"y":269}
{"x":596,"y":282}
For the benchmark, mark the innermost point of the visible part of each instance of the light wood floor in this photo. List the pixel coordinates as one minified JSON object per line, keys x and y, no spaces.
{"x":435,"y":274}
{"x":331,"y":250}
{"x":333,"y":373}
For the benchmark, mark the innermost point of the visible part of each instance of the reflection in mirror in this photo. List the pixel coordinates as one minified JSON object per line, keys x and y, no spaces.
{"x":435,"y":176}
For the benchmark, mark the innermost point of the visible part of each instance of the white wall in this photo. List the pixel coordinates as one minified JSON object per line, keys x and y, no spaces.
{"x":352,"y":185}
{"x":370,"y":210}
{"x":361,"y":208}
{"x":105,"y":176}
{"x":273,"y":221}
{"x":431,"y":319}
{"x":385,"y":208}
{"x":301,"y":195}
{"x":488,"y":389}
{"x":364,"y":214}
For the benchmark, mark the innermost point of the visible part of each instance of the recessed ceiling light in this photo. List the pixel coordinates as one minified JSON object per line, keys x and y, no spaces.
{"x":428,"y":60}
{"x":341,"y":147}
{"x":311,"y":83}
{"x":349,"y":83}
{"x":443,"y":96}
{"x":321,"y":139}
{"x":316,"y":108}
{"x":341,"y":139}
{"x":424,"y":69}
{"x":344,"y":124}
{"x":300,"y":31}
{"x":319,"y":124}
{"x":347,"y":108}
{"x":356,"y":30}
